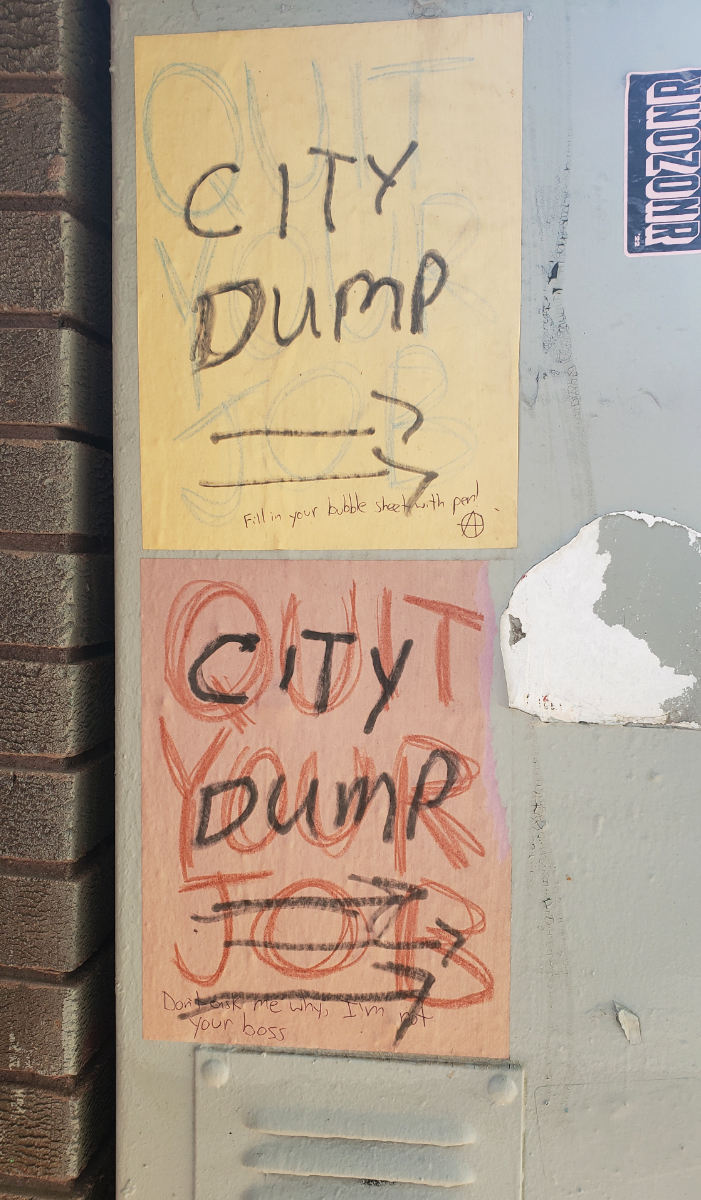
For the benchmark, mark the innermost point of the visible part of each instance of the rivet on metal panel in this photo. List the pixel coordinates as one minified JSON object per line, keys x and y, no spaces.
{"x":502,"y":1089}
{"x":215,"y":1071}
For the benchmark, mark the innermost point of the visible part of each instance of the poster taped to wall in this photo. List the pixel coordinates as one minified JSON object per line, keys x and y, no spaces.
{"x":663,"y":156}
{"x":329,"y":251}
{"x":325,"y":856}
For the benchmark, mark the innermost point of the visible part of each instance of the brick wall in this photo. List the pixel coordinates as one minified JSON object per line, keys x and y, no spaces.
{"x":56,"y":620}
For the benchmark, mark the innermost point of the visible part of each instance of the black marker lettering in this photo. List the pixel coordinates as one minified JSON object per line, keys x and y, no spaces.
{"x":418,"y":415}
{"x":387,"y":781}
{"x":206,"y":1003}
{"x":321,"y":433}
{"x":390,"y":180}
{"x":373,"y":288}
{"x":332,"y":159}
{"x":323,"y":687}
{"x":289,"y":671}
{"x":428,"y":477}
{"x":387,"y":683}
{"x":264,"y":944}
{"x":308,"y":805}
{"x":360,"y":787}
{"x":285,"y":206}
{"x":303,"y":478}
{"x":202,"y":838}
{"x":418,"y":301}
{"x":452,"y":771}
{"x":458,"y":943}
{"x":309,"y":311}
{"x":198,"y":687}
{"x":201,"y":352}
{"x":409,"y":892}
{"x":409,"y":973}
{"x":205,"y":233}
{"x":344,"y":798}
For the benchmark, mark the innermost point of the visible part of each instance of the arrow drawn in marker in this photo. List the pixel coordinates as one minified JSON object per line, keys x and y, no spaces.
{"x":428,"y":477}
{"x":418,"y":415}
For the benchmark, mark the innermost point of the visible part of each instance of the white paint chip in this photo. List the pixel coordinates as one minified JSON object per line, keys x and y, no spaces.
{"x":629,"y":1023}
{"x":590,"y":634}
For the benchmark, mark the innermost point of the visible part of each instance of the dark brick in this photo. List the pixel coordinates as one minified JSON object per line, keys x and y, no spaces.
{"x":52,"y":263}
{"x":60,"y":709}
{"x":49,"y":149}
{"x":56,"y":866}
{"x":53,"y":1029}
{"x":55,"y":377}
{"x":96,"y":1182}
{"x":54,"y":816}
{"x":49,"y":1136}
{"x":81,"y":612}
{"x":56,"y":487}
{"x":64,"y":38}
{"x":51,"y":924}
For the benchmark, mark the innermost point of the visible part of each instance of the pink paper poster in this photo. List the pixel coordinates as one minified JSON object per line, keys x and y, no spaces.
{"x":325,"y":856}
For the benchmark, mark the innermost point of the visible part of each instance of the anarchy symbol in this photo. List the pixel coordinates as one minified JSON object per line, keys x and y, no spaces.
{"x":472,"y":525}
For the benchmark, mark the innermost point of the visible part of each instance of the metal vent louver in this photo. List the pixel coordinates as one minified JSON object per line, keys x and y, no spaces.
{"x":298,"y":1127}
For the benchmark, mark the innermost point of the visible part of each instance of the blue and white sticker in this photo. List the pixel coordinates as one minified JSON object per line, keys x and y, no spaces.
{"x":663,"y":163}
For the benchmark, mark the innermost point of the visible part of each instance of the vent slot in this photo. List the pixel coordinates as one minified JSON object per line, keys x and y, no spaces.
{"x":421,"y":1127}
{"x":394,"y":1162}
{"x":290,"y":1187}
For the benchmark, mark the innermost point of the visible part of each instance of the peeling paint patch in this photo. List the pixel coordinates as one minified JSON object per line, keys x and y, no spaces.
{"x":629,"y":1023}
{"x":608,"y":629}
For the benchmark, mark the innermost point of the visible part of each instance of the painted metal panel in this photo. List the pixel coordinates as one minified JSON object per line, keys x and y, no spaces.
{"x":268,"y":1125}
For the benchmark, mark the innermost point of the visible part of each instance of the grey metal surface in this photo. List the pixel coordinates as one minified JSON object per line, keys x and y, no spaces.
{"x":604,"y":821}
{"x":312,"y":1125}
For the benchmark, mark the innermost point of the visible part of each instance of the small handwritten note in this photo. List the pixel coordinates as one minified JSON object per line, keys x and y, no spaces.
{"x":325,"y":857}
{"x":329,"y":285}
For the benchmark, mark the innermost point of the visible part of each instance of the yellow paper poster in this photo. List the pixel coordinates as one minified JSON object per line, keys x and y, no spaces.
{"x":325,"y":856}
{"x":329,"y":254}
